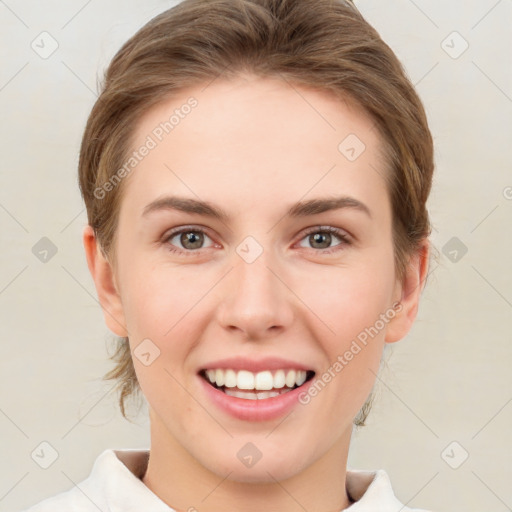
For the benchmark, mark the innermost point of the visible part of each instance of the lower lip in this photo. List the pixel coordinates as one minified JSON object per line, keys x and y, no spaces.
{"x":254,"y":410}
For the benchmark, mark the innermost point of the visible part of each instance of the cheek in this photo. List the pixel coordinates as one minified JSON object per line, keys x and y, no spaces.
{"x":162,"y":304}
{"x":158,"y":298}
{"x":353,"y":309}
{"x":166,"y":305}
{"x":354,"y":302}
{"x":348,"y":299}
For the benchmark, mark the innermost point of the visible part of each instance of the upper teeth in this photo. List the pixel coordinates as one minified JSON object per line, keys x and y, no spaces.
{"x":265,"y":380}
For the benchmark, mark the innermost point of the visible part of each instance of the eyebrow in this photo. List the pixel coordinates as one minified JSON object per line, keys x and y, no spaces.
{"x":300,"y":209}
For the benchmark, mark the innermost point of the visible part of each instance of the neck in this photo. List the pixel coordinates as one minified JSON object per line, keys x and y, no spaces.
{"x":185,"y":485}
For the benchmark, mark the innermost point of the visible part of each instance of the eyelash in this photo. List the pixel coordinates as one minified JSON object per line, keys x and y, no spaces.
{"x":344,"y":239}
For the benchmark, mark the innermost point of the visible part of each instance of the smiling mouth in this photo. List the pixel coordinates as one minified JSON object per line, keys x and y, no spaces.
{"x":255,"y":386}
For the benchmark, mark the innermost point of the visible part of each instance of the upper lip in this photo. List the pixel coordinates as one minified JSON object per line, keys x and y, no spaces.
{"x":255,"y":365}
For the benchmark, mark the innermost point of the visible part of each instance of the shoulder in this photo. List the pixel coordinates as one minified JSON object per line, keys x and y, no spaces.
{"x":113,"y":484}
{"x":372,"y":490}
{"x":69,"y":501}
{"x":85,"y":496}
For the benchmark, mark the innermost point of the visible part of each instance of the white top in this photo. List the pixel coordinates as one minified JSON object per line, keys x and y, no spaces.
{"x":115,"y":485}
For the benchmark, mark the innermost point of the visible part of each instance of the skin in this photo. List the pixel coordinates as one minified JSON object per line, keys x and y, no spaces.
{"x":254,"y":147}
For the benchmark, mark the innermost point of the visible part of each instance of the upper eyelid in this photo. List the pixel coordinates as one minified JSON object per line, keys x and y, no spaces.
{"x":329,"y":229}
{"x":173,"y":232}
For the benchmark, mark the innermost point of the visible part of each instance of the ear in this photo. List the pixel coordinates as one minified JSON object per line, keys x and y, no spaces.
{"x":410,"y":291}
{"x":104,"y":280}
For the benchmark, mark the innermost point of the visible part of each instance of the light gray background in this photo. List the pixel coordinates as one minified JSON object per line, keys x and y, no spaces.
{"x":448,"y":380}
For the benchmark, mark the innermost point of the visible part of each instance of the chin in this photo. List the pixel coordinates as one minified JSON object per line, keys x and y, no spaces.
{"x":261,"y":473}
{"x":249,"y":465}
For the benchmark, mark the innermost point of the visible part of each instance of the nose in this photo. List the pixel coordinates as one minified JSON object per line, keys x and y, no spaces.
{"x":256,"y":303}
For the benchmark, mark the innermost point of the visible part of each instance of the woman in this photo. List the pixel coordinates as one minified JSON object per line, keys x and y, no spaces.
{"x":255,"y":174}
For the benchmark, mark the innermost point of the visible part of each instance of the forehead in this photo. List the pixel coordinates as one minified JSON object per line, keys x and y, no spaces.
{"x":251,"y":142}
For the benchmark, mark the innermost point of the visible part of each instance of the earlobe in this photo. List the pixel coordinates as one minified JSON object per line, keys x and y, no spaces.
{"x":104,"y":281}
{"x":411,"y":289}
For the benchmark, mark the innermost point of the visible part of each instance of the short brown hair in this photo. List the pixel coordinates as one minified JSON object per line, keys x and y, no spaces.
{"x":323,"y":44}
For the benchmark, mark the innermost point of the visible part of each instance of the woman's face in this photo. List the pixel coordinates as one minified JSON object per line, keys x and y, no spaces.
{"x":254,"y":240}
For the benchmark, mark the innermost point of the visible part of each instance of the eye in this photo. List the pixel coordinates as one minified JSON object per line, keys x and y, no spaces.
{"x":187,"y":240}
{"x":321,"y":237}
{"x":191,"y":240}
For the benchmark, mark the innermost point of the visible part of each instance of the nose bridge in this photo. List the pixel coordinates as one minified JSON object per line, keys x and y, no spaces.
{"x":255,"y":300}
